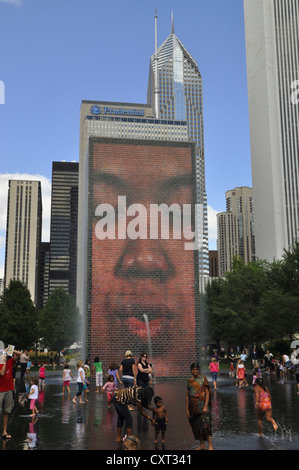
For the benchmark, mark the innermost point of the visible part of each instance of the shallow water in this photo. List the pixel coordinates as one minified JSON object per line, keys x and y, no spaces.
{"x":63,"y":425}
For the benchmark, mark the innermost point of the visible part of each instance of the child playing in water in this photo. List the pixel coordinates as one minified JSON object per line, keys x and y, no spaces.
{"x":160,"y":416}
{"x":214,"y":367}
{"x":254,"y":375}
{"x":110,"y":388}
{"x":131,"y":443}
{"x":33,"y":395}
{"x":241,"y":371}
{"x":67,"y":375}
{"x":80,"y":382}
{"x":231,"y":370}
{"x":263,"y":404}
{"x":42,"y":376}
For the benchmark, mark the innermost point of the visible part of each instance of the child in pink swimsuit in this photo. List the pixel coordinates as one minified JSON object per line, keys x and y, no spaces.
{"x":110,"y":388}
{"x":263,"y":404}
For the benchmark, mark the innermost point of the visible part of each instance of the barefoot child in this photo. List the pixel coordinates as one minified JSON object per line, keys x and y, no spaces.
{"x":241,"y":371}
{"x":110,"y":388}
{"x":263,"y":405}
{"x":33,"y":395}
{"x":160,"y":416}
{"x":42,"y":376}
{"x":67,"y":375}
{"x":80,"y":382}
{"x":214,"y":367}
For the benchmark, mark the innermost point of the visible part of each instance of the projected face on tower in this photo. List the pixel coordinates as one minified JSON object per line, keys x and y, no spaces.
{"x":142,"y":269}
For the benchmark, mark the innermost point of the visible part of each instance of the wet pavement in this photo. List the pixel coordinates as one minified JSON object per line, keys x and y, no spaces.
{"x":62,"y":425}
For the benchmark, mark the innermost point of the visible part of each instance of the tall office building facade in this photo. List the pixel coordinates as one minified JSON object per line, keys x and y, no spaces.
{"x":43,"y":277}
{"x":235,"y":229}
{"x":179,"y":90}
{"x":272,"y":50}
{"x":23,"y":234}
{"x":63,"y":229}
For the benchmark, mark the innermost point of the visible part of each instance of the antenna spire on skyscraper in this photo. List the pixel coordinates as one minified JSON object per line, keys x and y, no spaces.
{"x":172,"y":23}
{"x":156,"y":68}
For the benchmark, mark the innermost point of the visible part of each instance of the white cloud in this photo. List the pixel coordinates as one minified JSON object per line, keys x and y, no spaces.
{"x":46,"y":199}
{"x":13,"y":2}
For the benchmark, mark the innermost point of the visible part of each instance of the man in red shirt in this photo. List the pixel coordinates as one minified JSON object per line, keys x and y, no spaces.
{"x":6,"y":390}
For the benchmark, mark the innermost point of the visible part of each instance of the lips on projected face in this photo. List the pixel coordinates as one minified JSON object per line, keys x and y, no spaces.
{"x":133,"y":317}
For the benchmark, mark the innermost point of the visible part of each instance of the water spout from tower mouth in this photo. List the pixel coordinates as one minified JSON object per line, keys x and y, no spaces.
{"x":149,"y":341}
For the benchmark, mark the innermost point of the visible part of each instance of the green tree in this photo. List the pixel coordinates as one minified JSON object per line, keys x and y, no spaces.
{"x":281,"y":302}
{"x":59,"y":321}
{"x":290,"y":269}
{"x":256,"y":302}
{"x":234,"y":303}
{"x":18,"y":317}
{"x":216,"y":316}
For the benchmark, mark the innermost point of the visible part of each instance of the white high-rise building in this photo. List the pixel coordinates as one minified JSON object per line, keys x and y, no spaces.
{"x":235,"y":229}
{"x":272,"y":50}
{"x":23,"y":234}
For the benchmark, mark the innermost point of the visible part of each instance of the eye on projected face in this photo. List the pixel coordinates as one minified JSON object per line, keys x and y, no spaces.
{"x":173,"y":216}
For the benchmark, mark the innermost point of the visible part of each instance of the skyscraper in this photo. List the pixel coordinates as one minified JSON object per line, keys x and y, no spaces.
{"x":272,"y":50}
{"x":177,"y":93}
{"x":43,"y":277}
{"x":63,"y":230}
{"x":23,"y":234}
{"x":235,"y":229}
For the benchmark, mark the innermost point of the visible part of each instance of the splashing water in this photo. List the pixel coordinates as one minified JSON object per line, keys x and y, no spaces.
{"x":149,"y":340}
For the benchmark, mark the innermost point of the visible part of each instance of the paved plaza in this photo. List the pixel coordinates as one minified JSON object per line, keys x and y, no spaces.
{"x":62,"y":425}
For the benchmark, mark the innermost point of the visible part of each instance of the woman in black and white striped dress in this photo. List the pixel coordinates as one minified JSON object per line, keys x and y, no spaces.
{"x":137,"y":396}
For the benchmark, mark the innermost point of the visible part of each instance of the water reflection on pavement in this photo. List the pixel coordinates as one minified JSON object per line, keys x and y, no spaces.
{"x":63,"y":425}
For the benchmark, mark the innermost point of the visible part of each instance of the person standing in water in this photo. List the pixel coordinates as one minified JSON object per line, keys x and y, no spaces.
{"x":263,"y":405}
{"x":137,"y":396}
{"x":198,"y":407}
{"x":214,"y":367}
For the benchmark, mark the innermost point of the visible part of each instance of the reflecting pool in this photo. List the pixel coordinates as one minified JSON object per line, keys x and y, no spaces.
{"x":63,"y":425}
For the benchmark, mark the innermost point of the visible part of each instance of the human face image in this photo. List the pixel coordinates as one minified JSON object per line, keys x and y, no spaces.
{"x":143,"y":286}
{"x":195,"y":372}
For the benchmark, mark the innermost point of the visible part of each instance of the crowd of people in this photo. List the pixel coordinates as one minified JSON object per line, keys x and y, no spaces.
{"x":129,"y":386}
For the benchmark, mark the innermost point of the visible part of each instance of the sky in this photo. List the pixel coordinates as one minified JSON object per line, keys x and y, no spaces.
{"x":54,"y":54}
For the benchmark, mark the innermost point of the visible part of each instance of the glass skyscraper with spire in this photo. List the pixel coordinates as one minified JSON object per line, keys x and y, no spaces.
{"x":179,"y":89}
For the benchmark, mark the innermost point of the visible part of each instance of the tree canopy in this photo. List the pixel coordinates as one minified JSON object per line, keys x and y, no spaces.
{"x":59,"y":321}
{"x":18,"y":317}
{"x":256,"y":302}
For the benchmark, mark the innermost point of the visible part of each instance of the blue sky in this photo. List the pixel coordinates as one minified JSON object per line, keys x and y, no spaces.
{"x":54,"y":54}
